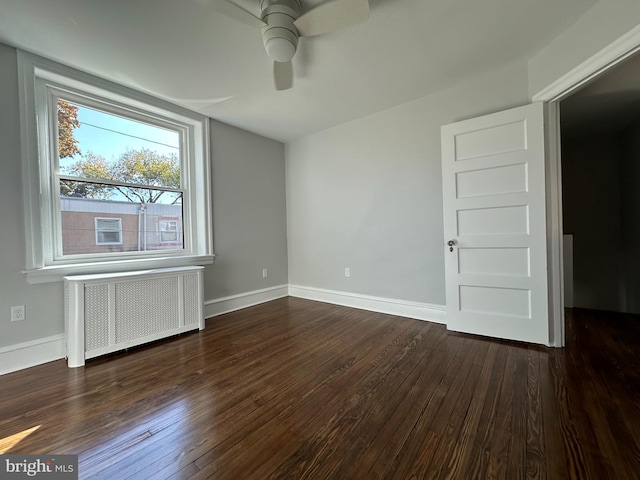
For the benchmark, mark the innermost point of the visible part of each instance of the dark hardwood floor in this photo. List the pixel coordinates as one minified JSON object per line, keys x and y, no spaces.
{"x":295,"y":389}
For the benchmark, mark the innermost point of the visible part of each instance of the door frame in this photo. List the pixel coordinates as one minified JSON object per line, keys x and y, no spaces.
{"x":615,"y":53}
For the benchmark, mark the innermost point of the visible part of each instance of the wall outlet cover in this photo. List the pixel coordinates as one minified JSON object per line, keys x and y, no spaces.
{"x":18,"y":313}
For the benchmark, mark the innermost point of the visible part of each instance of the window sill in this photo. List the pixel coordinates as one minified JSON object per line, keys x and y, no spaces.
{"x":58,"y":272}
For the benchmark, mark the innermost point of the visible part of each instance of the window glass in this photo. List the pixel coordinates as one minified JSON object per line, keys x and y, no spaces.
{"x":108,"y":231}
{"x":168,"y":230}
{"x":110,"y":164}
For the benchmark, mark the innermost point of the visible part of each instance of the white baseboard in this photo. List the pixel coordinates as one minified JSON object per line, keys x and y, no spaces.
{"x":213,"y":308}
{"x":401,"y":308}
{"x":30,"y":354}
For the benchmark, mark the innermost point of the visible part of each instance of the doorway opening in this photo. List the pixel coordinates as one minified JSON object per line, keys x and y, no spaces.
{"x":600,"y":152}
{"x":563,"y":96}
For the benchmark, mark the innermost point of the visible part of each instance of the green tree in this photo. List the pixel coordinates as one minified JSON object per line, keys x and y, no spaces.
{"x":93,"y":167}
{"x":67,"y":123}
{"x":142,"y":167}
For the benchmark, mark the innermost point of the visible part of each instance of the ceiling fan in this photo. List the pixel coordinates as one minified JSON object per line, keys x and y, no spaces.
{"x":283,"y":22}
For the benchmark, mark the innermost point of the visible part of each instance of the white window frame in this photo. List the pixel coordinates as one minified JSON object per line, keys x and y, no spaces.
{"x":41,"y":81}
{"x":102,"y":230}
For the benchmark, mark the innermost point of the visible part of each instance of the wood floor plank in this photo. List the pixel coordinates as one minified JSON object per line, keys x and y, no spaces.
{"x":535,"y":440}
{"x":295,"y":389}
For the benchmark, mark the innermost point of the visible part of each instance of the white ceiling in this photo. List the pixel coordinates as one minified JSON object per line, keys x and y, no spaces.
{"x":187,"y":52}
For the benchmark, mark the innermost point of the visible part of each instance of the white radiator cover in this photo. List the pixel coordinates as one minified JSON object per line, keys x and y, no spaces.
{"x":110,"y":312}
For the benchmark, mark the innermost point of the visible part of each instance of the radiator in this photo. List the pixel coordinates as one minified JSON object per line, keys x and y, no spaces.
{"x":111,"y":312}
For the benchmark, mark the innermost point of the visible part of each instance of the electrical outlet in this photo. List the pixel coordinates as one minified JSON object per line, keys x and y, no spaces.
{"x":18,"y":313}
{"x":265,"y":273}
{"x":347,"y":272}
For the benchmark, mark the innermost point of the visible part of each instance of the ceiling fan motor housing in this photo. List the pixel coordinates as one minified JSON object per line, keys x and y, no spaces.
{"x":280,"y":35}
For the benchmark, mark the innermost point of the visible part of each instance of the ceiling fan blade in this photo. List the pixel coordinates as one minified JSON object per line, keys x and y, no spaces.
{"x":233,"y":10}
{"x":331,"y":16}
{"x":283,"y":75}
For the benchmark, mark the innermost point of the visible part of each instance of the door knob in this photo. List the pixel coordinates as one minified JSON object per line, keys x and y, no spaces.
{"x":451,"y":243}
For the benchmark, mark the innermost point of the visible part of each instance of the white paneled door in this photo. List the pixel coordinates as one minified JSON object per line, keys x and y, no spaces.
{"x":493,"y":173}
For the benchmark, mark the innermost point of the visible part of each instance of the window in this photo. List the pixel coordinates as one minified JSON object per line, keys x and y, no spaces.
{"x":114,"y":179}
{"x":109,"y":162}
{"x":108,"y":231}
{"x":168,"y":231}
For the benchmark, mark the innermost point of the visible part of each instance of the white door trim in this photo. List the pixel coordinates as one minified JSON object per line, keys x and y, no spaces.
{"x":597,"y":64}
{"x":613,"y":54}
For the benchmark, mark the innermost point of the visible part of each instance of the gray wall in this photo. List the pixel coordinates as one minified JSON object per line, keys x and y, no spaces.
{"x":249,"y":219}
{"x":591,"y":212}
{"x":368,"y":194}
{"x":601,"y":207}
{"x":43,"y":302}
{"x":630,"y":217}
{"x":249,"y":213}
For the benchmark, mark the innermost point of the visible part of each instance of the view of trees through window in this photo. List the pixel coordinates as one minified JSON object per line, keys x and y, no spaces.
{"x":114,"y":167}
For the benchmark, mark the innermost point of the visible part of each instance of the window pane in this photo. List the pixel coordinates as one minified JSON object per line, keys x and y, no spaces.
{"x":105,"y":224}
{"x":117,"y":221}
{"x":109,"y":237}
{"x":108,"y":231}
{"x":95,"y":144}
{"x":168,"y":231}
